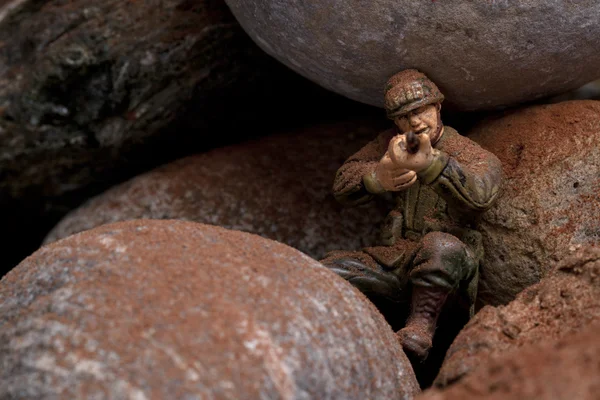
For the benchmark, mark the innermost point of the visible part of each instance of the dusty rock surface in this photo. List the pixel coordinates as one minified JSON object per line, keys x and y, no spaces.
{"x":551,"y":199}
{"x":173,"y":309}
{"x":567,"y":301}
{"x":564,"y":370}
{"x":482,"y":54}
{"x":278,"y":187}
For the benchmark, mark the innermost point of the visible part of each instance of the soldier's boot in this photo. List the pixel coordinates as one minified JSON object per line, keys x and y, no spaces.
{"x":417,"y":336}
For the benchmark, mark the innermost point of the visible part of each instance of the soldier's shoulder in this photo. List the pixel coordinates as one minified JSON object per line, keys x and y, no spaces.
{"x":455,"y":144}
{"x":450,"y":131}
{"x":449,"y":137}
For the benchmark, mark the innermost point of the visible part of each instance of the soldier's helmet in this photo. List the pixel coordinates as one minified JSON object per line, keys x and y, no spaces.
{"x":408,"y":90}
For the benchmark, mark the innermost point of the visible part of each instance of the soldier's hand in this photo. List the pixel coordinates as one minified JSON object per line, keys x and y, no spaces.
{"x":415,"y":162}
{"x":392,"y":177}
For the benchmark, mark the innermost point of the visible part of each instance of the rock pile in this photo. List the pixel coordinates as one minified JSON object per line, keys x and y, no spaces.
{"x":197,"y":278}
{"x":93,"y":94}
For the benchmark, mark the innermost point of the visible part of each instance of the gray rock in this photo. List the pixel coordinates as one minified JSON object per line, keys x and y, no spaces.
{"x":551,"y":196}
{"x":173,"y":309}
{"x":481,"y":54}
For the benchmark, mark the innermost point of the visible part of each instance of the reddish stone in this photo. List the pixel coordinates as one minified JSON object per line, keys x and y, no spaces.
{"x":551,"y":199}
{"x":566,"y":301}
{"x":173,"y":309}
{"x":278,"y":187}
{"x":564,"y":370}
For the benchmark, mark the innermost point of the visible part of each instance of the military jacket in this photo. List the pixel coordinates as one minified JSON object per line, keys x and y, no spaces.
{"x":463,"y":181}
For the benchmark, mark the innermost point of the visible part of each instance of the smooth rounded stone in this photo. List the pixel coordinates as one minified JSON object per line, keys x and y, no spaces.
{"x":551,"y":193}
{"x":481,"y":54}
{"x":566,"y":301}
{"x":174,"y":309}
{"x":564,"y":370}
{"x":278,"y":187}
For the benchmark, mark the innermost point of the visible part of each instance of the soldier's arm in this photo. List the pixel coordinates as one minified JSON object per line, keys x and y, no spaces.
{"x":354,"y":182}
{"x":464,"y":174}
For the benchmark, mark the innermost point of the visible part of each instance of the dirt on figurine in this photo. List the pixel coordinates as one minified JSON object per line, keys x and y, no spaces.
{"x":440,"y":183}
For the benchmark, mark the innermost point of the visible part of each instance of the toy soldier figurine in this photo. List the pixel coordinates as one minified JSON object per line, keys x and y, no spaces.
{"x":440,"y":182}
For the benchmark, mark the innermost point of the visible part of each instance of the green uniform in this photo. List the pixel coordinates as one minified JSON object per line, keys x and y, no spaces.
{"x":428,"y":238}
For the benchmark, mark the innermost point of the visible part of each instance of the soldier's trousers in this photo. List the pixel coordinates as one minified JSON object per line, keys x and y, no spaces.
{"x":438,"y":260}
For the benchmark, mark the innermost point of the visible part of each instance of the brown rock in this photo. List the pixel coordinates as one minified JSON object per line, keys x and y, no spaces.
{"x":551,"y":199}
{"x":278,"y":187}
{"x":564,"y":370}
{"x":173,"y":309}
{"x":566,"y":301}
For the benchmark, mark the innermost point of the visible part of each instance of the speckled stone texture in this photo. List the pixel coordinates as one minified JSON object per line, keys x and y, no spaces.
{"x":564,"y":370}
{"x":278,"y":187}
{"x":505,"y":346}
{"x":481,"y":54}
{"x":174,"y":309}
{"x":551,"y":199}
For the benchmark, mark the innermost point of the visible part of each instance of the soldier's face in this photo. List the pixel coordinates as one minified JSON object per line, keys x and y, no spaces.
{"x":424,"y":119}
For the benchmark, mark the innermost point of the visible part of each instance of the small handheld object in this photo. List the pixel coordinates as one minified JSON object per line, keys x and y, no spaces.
{"x":412,"y":142}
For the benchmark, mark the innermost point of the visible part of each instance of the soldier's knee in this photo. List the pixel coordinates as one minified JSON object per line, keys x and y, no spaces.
{"x":345,"y":260}
{"x":442,"y":261}
{"x":443,"y":245}
{"x":344,"y":266}
{"x":366,"y":275}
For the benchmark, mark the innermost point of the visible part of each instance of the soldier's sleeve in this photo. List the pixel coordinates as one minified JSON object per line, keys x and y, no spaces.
{"x":354,"y":183}
{"x":464,"y":174}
